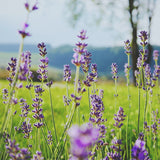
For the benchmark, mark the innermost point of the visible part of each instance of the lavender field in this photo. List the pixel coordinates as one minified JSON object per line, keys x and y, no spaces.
{"x":82,"y":117}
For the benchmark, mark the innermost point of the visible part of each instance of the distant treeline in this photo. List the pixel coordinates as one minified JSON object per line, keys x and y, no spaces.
{"x":102,"y":56}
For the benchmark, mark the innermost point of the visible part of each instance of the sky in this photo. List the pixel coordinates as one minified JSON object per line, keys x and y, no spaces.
{"x":50,"y":24}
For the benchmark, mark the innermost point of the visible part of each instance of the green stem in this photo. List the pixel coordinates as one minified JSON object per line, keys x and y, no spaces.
{"x":13,"y":86}
{"x":53,"y":115}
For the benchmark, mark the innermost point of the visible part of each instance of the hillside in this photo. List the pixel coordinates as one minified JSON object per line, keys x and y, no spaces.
{"x":103,"y":56}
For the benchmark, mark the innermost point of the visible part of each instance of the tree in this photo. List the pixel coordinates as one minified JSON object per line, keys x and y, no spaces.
{"x":137,"y":10}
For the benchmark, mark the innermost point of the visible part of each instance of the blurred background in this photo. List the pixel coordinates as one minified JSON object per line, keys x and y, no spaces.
{"x":58,"y":22}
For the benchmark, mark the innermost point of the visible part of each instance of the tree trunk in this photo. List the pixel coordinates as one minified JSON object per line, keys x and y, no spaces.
{"x":135,"y":51}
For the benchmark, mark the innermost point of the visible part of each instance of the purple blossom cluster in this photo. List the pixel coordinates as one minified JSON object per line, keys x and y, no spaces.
{"x":67,"y":73}
{"x":138,"y":151}
{"x":76,"y":99}
{"x":127,"y":47}
{"x":143,"y":37}
{"x":37,"y":156}
{"x":25,"y":64}
{"x":23,"y":31}
{"x":5,"y":95}
{"x":42,"y":71}
{"x":15,"y":152}
{"x":87,"y":61}
{"x":119,"y":118}
{"x":37,"y":104}
{"x":30,"y":8}
{"x":127,"y":68}
{"x":26,"y":129}
{"x":12,"y":70}
{"x":114,"y":69}
{"x":96,"y":117}
{"x":80,"y":50}
{"x":49,"y":138}
{"x":82,"y":138}
{"x":92,"y":76}
{"x":25,"y":107}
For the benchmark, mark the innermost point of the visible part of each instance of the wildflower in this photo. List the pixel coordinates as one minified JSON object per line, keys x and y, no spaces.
{"x":114,"y":156}
{"x":76,"y":99}
{"x":155,"y":55}
{"x":87,"y":61}
{"x":78,"y":59}
{"x":67,"y":73}
{"x":37,"y":156}
{"x":23,"y":32}
{"x":44,"y":63}
{"x":12,"y":70}
{"x":5,"y":95}
{"x":15,"y":152}
{"x":81,"y":139}
{"x":30,"y":8}
{"x":114,"y":70}
{"x":82,"y":35}
{"x":25,"y":108}
{"x":119,"y":118}
{"x":24,"y":70}
{"x":138,"y":151}
{"x":37,"y":104}
{"x":143,"y":36}
{"x":49,"y":136}
{"x":26,"y":129}
{"x":127,"y":47}
{"x":127,"y":69}
{"x":49,"y":84}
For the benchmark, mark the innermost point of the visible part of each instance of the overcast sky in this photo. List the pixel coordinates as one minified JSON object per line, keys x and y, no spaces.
{"x":49,"y":24}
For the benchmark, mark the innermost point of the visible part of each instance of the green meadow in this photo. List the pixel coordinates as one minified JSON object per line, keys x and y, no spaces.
{"x":111,"y":103}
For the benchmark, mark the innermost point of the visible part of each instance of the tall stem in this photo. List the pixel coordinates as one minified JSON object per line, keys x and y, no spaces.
{"x":50,"y":95}
{"x":13,"y":86}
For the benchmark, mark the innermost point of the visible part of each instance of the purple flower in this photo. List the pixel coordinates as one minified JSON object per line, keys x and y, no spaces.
{"x":49,"y":84}
{"x":82,"y":35}
{"x":119,"y":118}
{"x":27,"y":6}
{"x":23,"y":31}
{"x":66,"y":101}
{"x":143,"y":37}
{"x":37,"y":104}
{"x":37,"y":156}
{"x":5,"y":95}
{"x":81,"y":139}
{"x":127,"y":69}
{"x":114,"y":156}
{"x":43,"y":72}
{"x":78,"y":59}
{"x":49,"y":136}
{"x":155,"y":55}
{"x":12,"y":70}
{"x":138,"y":151}
{"x":15,"y":152}
{"x":26,"y":129}
{"x":127,"y":47}
{"x":25,"y":108}
{"x":87,"y":61}
{"x":25,"y":64}
{"x":114,"y":70}
{"x":67,"y":73}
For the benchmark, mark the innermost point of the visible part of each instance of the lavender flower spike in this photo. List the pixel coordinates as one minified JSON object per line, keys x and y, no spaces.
{"x":114,"y":70}
{"x":119,"y":118}
{"x":67,"y":73}
{"x":81,"y":139}
{"x":138,"y":151}
{"x":155,"y":55}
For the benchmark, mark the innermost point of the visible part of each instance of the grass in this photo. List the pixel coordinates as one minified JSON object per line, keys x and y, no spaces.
{"x":58,"y":90}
